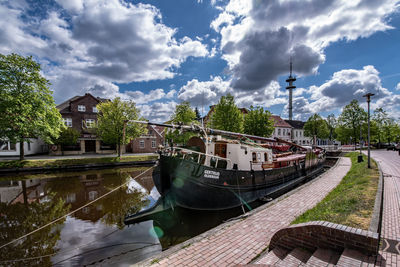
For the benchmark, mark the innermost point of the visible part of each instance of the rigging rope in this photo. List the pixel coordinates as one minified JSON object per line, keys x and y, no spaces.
{"x":72,"y":212}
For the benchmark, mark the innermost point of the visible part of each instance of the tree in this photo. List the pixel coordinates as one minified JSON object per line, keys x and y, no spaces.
{"x":227,"y":116}
{"x":198,"y":116}
{"x":183,"y":115}
{"x":379,"y":117}
{"x":316,"y":127}
{"x":68,"y":136}
{"x":390,"y":130}
{"x":112,"y":121}
{"x":331,"y":123}
{"x":351,"y":120}
{"x":27,"y":106}
{"x":258,"y":122}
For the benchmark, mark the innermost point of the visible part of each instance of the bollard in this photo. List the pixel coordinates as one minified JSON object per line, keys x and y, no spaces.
{"x":360,"y":158}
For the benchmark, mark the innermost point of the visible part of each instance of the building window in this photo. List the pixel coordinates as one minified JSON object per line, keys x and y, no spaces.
{"x":141,"y":143}
{"x":71,"y":198}
{"x":296,"y":133}
{"x":153,"y":144}
{"x":279,"y":131}
{"x":93,"y":195}
{"x":284,"y":132}
{"x":81,"y":108}
{"x":90,"y":123}
{"x":68,"y":122}
{"x":29,"y":146}
{"x":95,"y":110}
{"x":6,"y":146}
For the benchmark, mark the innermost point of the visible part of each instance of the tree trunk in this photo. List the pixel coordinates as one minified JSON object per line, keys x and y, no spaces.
{"x":21,"y":150}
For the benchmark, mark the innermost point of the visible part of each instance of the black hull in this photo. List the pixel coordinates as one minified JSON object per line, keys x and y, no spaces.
{"x":199,"y":187}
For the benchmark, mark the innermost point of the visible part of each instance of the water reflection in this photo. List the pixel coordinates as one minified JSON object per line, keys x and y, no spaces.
{"x":90,"y":234}
{"x":96,"y":233}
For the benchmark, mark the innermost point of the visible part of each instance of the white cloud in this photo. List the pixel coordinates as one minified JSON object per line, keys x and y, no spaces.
{"x":96,"y":43}
{"x":344,"y":86}
{"x":258,"y":37}
{"x":398,"y":86}
{"x":153,"y":95}
{"x":204,"y":93}
{"x":158,"y":112}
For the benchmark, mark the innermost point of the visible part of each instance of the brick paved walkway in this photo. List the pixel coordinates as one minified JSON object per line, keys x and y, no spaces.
{"x":245,"y":239}
{"x":390,"y":232}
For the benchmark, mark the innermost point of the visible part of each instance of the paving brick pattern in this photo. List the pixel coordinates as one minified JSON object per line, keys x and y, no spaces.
{"x":245,"y":239}
{"x":390,"y":232}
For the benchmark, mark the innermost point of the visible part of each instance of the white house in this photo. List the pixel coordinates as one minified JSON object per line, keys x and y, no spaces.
{"x":35,"y":146}
{"x":297,"y":135}
{"x":283,"y":130}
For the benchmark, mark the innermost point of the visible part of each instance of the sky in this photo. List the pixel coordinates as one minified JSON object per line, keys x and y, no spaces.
{"x":159,"y":53}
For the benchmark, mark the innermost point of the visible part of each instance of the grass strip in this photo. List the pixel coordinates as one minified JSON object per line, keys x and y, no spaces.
{"x":32,"y":163}
{"x":352,"y":201}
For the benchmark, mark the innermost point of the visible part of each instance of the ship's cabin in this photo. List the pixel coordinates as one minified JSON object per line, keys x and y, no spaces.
{"x":225,"y":153}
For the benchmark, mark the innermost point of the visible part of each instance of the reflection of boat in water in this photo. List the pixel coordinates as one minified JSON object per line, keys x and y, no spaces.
{"x":221,"y":170}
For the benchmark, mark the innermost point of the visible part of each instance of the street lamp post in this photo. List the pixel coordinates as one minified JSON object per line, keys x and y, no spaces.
{"x":368,"y":96}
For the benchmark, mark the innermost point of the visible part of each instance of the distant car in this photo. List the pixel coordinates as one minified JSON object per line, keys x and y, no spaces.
{"x":391,"y":147}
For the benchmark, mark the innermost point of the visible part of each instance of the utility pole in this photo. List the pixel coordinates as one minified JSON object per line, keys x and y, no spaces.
{"x":368,"y":96}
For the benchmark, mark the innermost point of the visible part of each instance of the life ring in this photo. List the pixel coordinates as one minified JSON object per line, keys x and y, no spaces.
{"x":54,"y":147}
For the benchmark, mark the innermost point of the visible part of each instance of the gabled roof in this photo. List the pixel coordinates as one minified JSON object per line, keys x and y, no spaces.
{"x":296,"y":124}
{"x":66,"y":104}
{"x":279,"y":122}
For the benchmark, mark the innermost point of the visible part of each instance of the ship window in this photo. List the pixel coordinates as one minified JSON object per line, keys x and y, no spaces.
{"x":254,"y":157}
{"x":213,"y":161}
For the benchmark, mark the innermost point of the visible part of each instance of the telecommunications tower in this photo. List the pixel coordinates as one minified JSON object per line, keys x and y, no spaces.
{"x":290,"y":87}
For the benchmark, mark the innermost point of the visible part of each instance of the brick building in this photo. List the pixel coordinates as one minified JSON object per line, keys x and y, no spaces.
{"x":80,"y":113}
{"x":150,"y":142}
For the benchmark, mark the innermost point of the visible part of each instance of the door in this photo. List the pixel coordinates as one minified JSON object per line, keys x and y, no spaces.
{"x":90,"y":146}
{"x":220,"y":150}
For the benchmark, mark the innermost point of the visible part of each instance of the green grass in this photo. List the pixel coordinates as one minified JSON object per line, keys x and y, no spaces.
{"x":352,"y":201}
{"x":56,"y":163}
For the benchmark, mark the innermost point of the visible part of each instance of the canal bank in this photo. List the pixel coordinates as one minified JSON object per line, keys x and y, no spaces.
{"x":51,"y":164}
{"x":240,"y":241}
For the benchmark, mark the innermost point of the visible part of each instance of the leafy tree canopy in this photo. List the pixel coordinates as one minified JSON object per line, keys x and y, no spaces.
{"x":331,"y":123}
{"x":27,"y":106}
{"x":351,"y":120}
{"x":258,"y":122}
{"x":183,"y":115}
{"x":197,"y":112}
{"x":111,"y":120}
{"x":68,"y":136}
{"x":316,"y":126}
{"x":227,"y":116}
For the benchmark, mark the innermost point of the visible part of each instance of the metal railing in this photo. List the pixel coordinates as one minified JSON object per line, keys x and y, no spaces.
{"x":200,"y":158}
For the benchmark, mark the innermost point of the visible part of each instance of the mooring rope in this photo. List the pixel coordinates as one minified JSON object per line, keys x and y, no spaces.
{"x":72,"y":212}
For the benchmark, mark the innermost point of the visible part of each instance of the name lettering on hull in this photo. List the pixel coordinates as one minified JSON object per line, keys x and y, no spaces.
{"x":211,"y":174}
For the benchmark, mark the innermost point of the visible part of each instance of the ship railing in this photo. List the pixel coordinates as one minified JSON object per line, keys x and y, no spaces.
{"x":201,"y":158}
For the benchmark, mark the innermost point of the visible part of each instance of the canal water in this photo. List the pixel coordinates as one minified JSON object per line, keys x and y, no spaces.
{"x":91,"y":206}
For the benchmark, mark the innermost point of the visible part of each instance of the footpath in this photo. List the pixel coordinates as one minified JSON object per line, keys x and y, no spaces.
{"x":389,"y":162}
{"x":243,"y":240}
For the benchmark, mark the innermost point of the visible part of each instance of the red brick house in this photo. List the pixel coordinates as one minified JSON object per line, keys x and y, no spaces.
{"x":80,"y":113}
{"x":150,"y":142}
